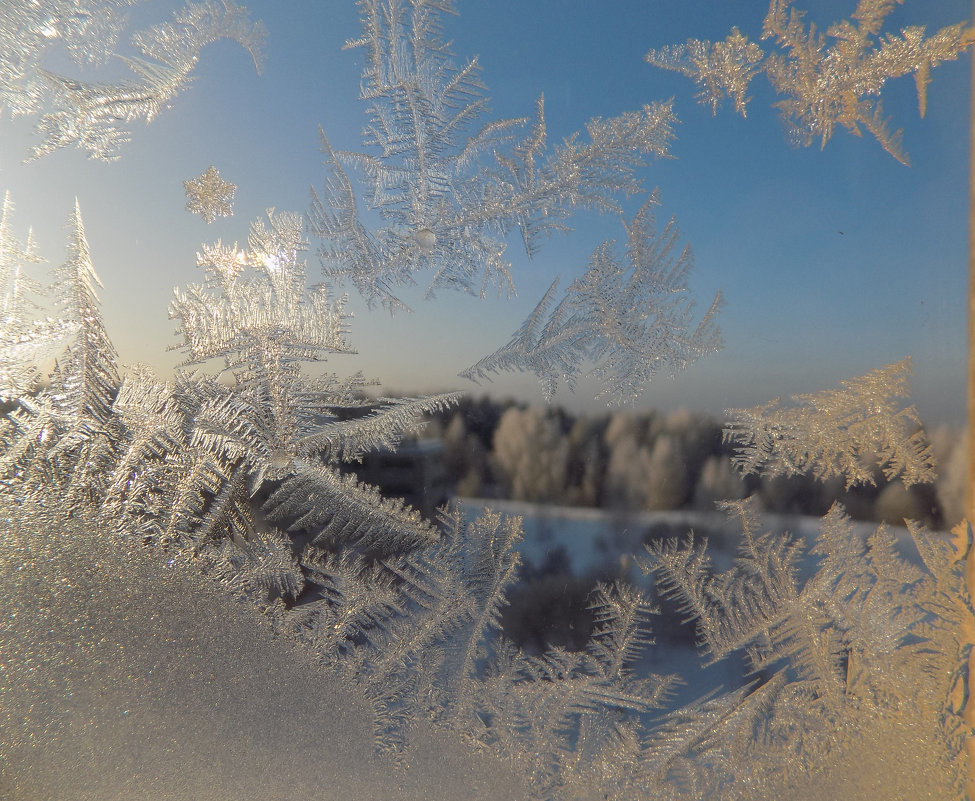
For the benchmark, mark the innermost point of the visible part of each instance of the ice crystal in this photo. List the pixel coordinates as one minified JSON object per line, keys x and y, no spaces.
{"x":449,"y":187}
{"x":88,"y":29}
{"x":562,"y":714}
{"x":839,"y":649}
{"x":25,"y":341}
{"x":842,"y":432}
{"x":209,"y":195}
{"x":254,"y":310}
{"x":179,"y":462}
{"x":826,"y":80}
{"x":119,"y":490}
{"x":19,"y":289}
{"x":94,"y":115}
{"x":256,"y":314}
{"x":87,"y":373}
{"x":630,"y":317}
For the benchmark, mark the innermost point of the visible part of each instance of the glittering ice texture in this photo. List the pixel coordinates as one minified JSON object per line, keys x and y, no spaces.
{"x":124,"y":676}
{"x":826,"y":79}
{"x":199,"y":603}
{"x":629,"y":317}
{"x":209,"y":195}
{"x":94,"y":115}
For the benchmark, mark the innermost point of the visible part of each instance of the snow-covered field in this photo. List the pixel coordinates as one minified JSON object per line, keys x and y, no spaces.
{"x":593,"y":538}
{"x":600,"y":544}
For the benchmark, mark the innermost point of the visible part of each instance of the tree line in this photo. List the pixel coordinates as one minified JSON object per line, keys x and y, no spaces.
{"x":645,"y":460}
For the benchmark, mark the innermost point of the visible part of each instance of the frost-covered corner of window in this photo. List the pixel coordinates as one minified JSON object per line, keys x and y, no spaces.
{"x":93,"y":115}
{"x":824,"y":79}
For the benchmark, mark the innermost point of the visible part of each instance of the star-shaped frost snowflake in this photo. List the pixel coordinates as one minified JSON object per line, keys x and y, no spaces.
{"x":209,"y":195}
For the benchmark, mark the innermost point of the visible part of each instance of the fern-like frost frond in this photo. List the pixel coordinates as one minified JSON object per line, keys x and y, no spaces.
{"x":630,"y":318}
{"x":262,"y":568}
{"x":338,"y":508}
{"x":87,"y":374}
{"x":826,"y":80}
{"x":94,"y":116}
{"x":381,"y":428}
{"x":450,"y":187}
{"x":842,"y":432}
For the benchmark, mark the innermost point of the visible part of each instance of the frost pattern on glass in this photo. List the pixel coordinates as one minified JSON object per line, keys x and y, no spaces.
{"x":209,"y":195}
{"x":179,"y":462}
{"x":25,"y":341}
{"x":66,"y":429}
{"x":93,"y":115}
{"x":113,"y":483}
{"x":849,"y":432}
{"x":857,"y":665}
{"x":256,"y":314}
{"x":88,"y":29}
{"x":407,"y":614}
{"x":630,"y":317}
{"x":86,"y":375}
{"x":135,"y":679}
{"x":449,"y":187}
{"x":826,"y":79}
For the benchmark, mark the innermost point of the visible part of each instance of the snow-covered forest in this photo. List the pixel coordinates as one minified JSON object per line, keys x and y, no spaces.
{"x":638,"y":460}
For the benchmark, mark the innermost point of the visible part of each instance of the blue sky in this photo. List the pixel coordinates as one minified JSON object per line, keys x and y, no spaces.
{"x":832,"y":262}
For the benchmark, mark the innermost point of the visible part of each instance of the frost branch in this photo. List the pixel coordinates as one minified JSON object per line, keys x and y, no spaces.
{"x":450,"y":193}
{"x":827,"y":79}
{"x":841,"y":432}
{"x":95,"y":116}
